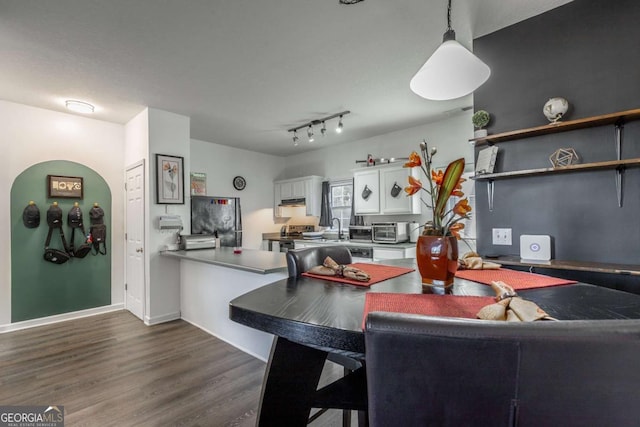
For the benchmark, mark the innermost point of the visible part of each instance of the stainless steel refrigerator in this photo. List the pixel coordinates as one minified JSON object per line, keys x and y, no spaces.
{"x":217,"y":214}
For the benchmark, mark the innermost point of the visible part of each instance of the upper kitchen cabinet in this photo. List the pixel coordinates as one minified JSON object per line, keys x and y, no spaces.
{"x":292,"y":189}
{"x":393,"y":198}
{"x":366,"y":192}
{"x":381,"y":191}
{"x":298,"y":192}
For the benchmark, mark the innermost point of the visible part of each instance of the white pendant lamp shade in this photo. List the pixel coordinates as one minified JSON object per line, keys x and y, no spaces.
{"x":451,"y":72}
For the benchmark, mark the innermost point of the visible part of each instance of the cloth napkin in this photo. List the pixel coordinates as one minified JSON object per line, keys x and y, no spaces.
{"x":331,"y":268}
{"x":510,"y":307}
{"x":473,"y":261}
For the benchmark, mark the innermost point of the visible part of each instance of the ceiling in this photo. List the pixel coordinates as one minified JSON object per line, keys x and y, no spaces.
{"x":244,"y":71}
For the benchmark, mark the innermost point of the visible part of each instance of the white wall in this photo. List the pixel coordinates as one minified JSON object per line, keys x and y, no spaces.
{"x":168,"y":134}
{"x":32,"y":135}
{"x":149,"y":133}
{"x":221,"y":164}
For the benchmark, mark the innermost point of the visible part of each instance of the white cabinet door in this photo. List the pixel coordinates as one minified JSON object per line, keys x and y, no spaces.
{"x":366,"y":192}
{"x":286,"y":190}
{"x":393,"y":253}
{"x":298,"y":189}
{"x":382,"y":254}
{"x":313,"y":195}
{"x":393,"y":198}
{"x":410,"y":252}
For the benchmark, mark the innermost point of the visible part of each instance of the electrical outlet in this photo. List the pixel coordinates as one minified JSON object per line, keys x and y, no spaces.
{"x":501,"y":236}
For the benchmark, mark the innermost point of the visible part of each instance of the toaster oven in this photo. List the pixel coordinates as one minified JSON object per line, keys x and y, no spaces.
{"x":390,"y":232}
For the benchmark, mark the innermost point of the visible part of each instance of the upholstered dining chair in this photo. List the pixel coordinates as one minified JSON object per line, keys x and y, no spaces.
{"x":301,"y":260}
{"x":424,"y":371}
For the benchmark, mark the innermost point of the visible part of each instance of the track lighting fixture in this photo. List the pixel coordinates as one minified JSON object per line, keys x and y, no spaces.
{"x":310,"y":134}
{"x":323,"y":130}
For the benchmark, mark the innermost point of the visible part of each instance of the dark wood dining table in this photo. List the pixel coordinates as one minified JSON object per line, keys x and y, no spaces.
{"x":311,"y":318}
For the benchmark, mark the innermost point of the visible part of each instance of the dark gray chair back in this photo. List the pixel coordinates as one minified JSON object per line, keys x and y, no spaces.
{"x":301,"y":260}
{"x":424,"y":371}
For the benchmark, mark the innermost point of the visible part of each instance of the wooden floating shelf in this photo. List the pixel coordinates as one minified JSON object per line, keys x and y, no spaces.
{"x":629,"y":269}
{"x":613,"y":164}
{"x":606,"y":119}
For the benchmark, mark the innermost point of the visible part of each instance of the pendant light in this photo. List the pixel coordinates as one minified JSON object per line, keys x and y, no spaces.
{"x":451,"y":72}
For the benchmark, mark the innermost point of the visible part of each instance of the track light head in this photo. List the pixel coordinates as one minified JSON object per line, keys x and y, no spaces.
{"x":295,"y":138}
{"x":323,"y":130}
{"x":310,"y":133}
{"x":340,"y":126}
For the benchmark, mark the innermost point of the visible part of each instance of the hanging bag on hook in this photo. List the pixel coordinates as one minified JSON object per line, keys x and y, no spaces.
{"x":98,"y":230}
{"x":74,"y":220}
{"x":54,"y":220}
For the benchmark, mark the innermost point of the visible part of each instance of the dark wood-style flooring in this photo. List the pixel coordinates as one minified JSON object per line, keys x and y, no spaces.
{"x":112,"y":370}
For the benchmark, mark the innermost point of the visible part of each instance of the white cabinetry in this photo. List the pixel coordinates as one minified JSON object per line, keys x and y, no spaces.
{"x":386,"y":195}
{"x":292,"y":189}
{"x":393,"y":199}
{"x":366,"y":192}
{"x":393,"y":253}
{"x":308,"y":188}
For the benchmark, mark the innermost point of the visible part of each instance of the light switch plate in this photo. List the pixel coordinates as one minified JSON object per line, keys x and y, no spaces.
{"x":501,"y":236}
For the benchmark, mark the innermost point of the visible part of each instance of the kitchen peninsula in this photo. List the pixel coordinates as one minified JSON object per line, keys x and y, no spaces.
{"x":210,"y":278}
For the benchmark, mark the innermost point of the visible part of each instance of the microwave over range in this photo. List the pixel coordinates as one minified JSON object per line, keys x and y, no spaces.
{"x":390,"y":232}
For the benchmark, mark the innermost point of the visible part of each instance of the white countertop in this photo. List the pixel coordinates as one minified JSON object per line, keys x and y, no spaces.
{"x":251,"y":260}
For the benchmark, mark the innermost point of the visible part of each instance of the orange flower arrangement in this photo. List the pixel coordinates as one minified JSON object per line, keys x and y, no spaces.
{"x":441,"y":187}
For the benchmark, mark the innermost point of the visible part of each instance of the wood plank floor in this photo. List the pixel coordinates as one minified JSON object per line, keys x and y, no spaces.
{"x":112,"y":370}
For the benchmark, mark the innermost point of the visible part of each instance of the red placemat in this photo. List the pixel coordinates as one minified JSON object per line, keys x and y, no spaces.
{"x":427,"y":304}
{"x":518,"y":280}
{"x":377,"y":272}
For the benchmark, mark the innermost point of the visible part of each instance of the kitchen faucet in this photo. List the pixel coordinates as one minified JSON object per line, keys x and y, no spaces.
{"x":339,"y":227}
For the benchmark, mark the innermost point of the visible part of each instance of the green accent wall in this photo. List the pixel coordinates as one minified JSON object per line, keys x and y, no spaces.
{"x":40,"y":288}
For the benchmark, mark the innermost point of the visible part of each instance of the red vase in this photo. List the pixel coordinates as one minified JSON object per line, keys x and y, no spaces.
{"x":437,"y":259}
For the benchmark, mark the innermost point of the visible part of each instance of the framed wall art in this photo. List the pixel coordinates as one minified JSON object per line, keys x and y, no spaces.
{"x":169,"y":179}
{"x":198,"y":184}
{"x":67,"y":187}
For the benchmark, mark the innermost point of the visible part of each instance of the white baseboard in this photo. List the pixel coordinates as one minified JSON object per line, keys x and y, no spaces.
{"x":161,"y":319}
{"x":249,"y":352}
{"x":32,"y":323}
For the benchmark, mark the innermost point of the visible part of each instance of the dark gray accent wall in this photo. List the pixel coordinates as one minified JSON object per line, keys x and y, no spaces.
{"x":588,"y":52}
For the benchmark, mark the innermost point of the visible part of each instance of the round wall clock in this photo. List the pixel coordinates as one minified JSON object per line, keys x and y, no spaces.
{"x":239,"y":183}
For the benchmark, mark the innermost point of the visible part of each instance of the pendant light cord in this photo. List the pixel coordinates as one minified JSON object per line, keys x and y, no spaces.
{"x":449,"y":34}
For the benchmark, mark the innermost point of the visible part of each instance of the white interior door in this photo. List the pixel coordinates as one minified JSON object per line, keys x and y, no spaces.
{"x":135,"y":271}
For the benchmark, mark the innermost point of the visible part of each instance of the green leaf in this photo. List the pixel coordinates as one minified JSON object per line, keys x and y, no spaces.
{"x":449,"y":181}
